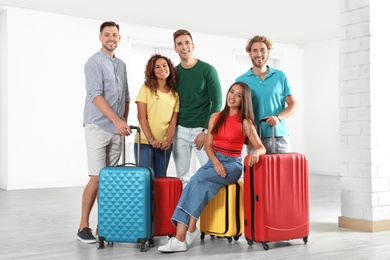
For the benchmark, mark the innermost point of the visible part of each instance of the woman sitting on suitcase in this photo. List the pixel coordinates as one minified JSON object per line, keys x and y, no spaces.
{"x":228,"y":131}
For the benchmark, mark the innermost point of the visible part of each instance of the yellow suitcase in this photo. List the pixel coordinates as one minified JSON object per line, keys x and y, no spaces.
{"x":223,"y":216}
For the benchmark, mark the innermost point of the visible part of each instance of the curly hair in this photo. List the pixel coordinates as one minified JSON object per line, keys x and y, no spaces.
{"x":151,"y":79}
{"x":258,"y":38}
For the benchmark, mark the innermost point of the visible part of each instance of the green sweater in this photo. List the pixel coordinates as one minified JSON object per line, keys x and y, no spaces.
{"x":200,"y":94}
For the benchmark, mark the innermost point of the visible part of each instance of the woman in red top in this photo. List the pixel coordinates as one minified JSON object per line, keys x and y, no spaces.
{"x":228,"y":131}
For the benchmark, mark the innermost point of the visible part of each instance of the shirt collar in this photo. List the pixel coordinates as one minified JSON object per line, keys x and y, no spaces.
{"x":106,"y":55}
{"x":270,"y":72}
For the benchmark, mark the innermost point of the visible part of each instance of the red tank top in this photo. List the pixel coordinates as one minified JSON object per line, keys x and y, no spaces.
{"x":229,"y":140}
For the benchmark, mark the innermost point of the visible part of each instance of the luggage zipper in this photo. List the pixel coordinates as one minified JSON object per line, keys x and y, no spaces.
{"x":227,"y":210}
{"x":238,"y":220}
{"x":252,"y":202}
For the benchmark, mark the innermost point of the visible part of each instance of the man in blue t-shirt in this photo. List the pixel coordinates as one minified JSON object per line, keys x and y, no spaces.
{"x":272,"y":96}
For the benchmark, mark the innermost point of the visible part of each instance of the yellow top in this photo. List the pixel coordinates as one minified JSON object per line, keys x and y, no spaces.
{"x":160,"y":109}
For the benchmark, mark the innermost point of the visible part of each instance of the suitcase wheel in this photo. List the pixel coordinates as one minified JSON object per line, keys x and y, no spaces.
{"x":236,"y":238}
{"x":305,"y":240}
{"x":250,"y":242}
{"x":265,"y":246}
{"x":202,"y":235}
{"x":230,"y":239}
{"x":151,"y":242}
{"x":100,"y":243}
{"x":142,"y":247}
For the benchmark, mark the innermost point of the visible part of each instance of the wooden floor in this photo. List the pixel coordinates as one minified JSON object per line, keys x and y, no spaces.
{"x":42,"y":224}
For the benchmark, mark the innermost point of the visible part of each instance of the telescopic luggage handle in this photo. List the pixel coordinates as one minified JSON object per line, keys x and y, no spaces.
{"x":272,"y":135}
{"x":138,"y":144}
{"x":137,"y":163}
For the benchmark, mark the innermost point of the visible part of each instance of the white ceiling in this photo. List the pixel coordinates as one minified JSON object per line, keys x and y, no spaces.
{"x":284,"y":21}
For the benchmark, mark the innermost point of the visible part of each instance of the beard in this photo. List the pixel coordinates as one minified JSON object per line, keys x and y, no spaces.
{"x":259,"y":64}
{"x":110,"y":47}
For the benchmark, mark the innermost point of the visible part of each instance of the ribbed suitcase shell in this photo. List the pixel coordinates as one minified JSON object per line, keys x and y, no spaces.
{"x":167,"y":191}
{"x":125,"y":205}
{"x":223,"y":216}
{"x":276,"y":198}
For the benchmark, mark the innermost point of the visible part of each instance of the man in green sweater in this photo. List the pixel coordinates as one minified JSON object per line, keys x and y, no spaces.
{"x":200,"y":95}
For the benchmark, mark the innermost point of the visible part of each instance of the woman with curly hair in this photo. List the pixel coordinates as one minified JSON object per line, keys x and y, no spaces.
{"x":158,"y":108}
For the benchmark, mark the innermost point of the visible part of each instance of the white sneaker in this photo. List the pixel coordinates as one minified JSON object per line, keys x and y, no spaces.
{"x":173,"y":245}
{"x":190,"y":237}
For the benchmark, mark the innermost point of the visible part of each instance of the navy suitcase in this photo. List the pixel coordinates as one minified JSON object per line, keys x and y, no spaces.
{"x":125,"y":203}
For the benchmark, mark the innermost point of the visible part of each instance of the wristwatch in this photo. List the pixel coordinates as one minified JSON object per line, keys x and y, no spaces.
{"x":204,"y":130}
{"x":279,"y":117}
{"x":151,"y":139}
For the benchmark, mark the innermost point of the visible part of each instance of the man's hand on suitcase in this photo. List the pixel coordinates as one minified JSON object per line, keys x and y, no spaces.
{"x":271,"y":120}
{"x":122,"y":128}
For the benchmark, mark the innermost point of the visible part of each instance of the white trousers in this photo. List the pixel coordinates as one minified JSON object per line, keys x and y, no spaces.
{"x":183,"y":147}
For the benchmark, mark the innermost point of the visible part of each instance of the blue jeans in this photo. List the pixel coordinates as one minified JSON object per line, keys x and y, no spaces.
{"x":158,"y":159}
{"x":203,"y":186}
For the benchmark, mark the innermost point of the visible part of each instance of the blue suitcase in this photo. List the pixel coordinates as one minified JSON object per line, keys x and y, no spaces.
{"x":125,"y":204}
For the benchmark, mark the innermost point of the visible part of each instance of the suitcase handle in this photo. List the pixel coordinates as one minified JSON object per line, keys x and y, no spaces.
{"x":137,"y":163}
{"x":150,"y":156}
{"x":272,"y":135}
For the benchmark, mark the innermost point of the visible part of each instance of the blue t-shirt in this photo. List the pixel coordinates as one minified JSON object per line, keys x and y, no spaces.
{"x":268,"y":97}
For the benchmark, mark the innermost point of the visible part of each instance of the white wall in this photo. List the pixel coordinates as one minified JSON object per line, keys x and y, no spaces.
{"x":43,"y":92}
{"x":3,"y":99}
{"x":321,"y":115}
{"x":45,"y":55}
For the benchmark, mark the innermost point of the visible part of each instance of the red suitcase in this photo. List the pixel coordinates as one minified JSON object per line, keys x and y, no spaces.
{"x":167,"y":192}
{"x":276,"y":199}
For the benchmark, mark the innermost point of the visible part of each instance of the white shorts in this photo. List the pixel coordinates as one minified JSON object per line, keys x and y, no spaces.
{"x":103,"y":148}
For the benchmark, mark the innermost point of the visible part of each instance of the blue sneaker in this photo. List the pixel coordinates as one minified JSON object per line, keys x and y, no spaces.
{"x":85,"y":236}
